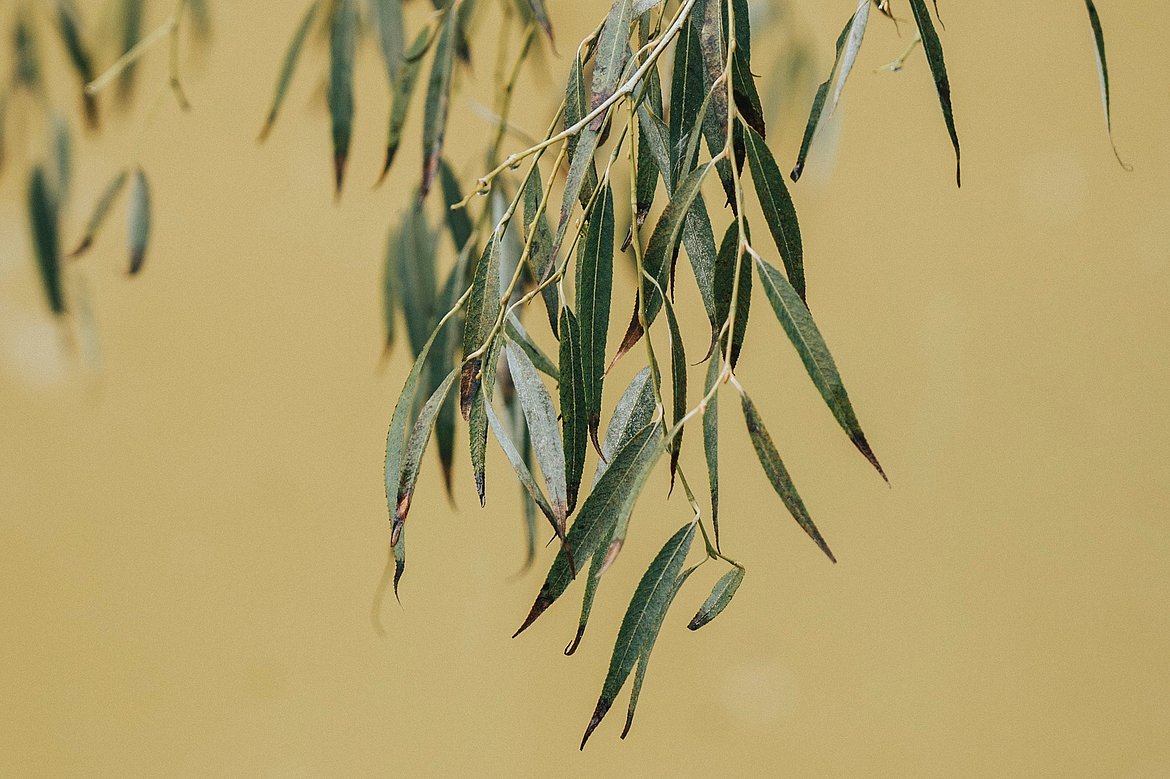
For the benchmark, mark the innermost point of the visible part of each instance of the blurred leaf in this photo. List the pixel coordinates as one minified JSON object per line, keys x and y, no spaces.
{"x":291,"y":57}
{"x":934,"y":56}
{"x":804,"y":334}
{"x":100,"y":212}
{"x":27,"y":68}
{"x":391,"y":39}
{"x":403,"y":90}
{"x":541,"y":15}
{"x":415,"y":266}
{"x":779,"y":212}
{"x":139,"y":231}
{"x":69,"y":26}
{"x":1103,"y":76}
{"x":445,"y":347}
{"x":778,"y":474}
{"x":542,"y":426}
{"x":643,"y":619}
{"x":458,"y":222}
{"x":130,"y":31}
{"x":720,"y":596}
{"x":574,"y":417}
{"x":818,"y":111}
{"x":612,"y":53}
{"x":45,"y":221}
{"x":438,"y":102}
{"x":342,"y":48}
{"x":594,"y":291}
{"x":849,"y":55}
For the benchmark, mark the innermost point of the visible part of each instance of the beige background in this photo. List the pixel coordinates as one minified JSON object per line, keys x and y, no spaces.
{"x":190,"y":539}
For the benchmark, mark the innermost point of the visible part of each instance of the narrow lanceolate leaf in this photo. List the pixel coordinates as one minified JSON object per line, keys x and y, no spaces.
{"x":69,"y":26}
{"x":646,"y":185}
{"x":482,"y":309}
{"x":139,"y":229}
{"x":415,"y":265}
{"x":804,"y":334}
{"x":416,"y":444}
{"x":519,"y":336}
{"x":523,"y":474}
{"x":45,"y":221}
{"x":938,"y":68}
{"x":779,"y":212}
{"x":438,"y":102}
{"x":678,"y":380}
{"x":542,"y":425}
{"x":818,"y":112}
{"x":130,"y":33}
{"x":688,"y":88}
{"x":594,"y":290}
{"x":388,"y":20}
{"x":720,"y":596}
{"x":62,"y":158}
{"x":725,"y":275}
{"x":390,"y":291}
{"x":342,"y":48}
{"x":1103,"y":76}
{"x":574,"y":417}
{"x":711,"y":439}
{"x":711,"y":42}
{"x":612,"y":52}
{"x":643,"y":619}
{"x":458,"y":222}
{"x":291,"y":57}
{"x":540,"y":13}
{"x":100,"y":212}
{"x":582,"y":175}
{"x":849,"y":54}
{"x":778,"y":475}
{"x":445,"y":347}
{"x":540,"y":258}
{"x":403,"y":91}
{"x":610,"y":502}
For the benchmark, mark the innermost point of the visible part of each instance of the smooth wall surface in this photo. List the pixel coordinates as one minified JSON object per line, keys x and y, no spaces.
{"x":191,"y":537}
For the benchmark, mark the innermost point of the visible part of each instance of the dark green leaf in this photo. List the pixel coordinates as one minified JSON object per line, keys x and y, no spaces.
{"x":574,"y":417}
{"x":458,"y":222}
{"x":612,"y":52}
{"x":390,"y":290}
{"x":445,"y":346}
{"x":291,"y":57}
{"x":643,"y":619}
{"x":778,"y":474}
{"x":582,"y":176}
{"x":540,"y":254}
{"x":69,"y":25}
{"x":45,"y":221}
{"x":687,"y":91}
{"x":594,"y":290}
{"x":1103,"y":76}
{"x":415,"y":266}
{"x":725,"y":289}
{"x":719,"y":598}
{"x":437,"y":102}
{"x":139,"y":229}
{"x":804,"y":334}
{"x":711,"y":43}
{"x":388,"y":21}
{"x":342,"y":47}
{"x":130,"y":32}
{"x":610,"y":502}
{"x":711,"y":439}
{"x":482,"y":310}
{"x":934,"y":56}
{"x":100,"y":212}
{"x":678,"y":373}
{"x":779,"y":212}
{"x":403,"y":90}
{"x":542,"y":425}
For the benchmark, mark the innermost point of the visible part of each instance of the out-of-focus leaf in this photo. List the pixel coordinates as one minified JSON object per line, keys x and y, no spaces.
{"x":291,"y":58}
{"x":574,"y":417}
{"x":44,"y":218}
{"x":342,"y":48}
{"x":643,"y":619}
{"x":779,"y":212}
{"x":130,"y":32}
{"x":438,"y":102}
{"x":542,"y":425}
{"x":720,"y":596}
{"x":139,"y":229}
{"x":613,"y":51}
{"x":403,"y":90}
{"x":62,"y":158}
{"x":100,"y":212}
{"x":594,"y":289}
{"x":390,"y":291}
{"x":519,"y":335}
{"x":725,"y":288}
{"x":415,"y":266}
{"x":818,"y":111}
{"x":934,"y":57}
{"x":778,"y":474}
{"x":540,"y":13}
{"x":711,"y":439}
{"x":391,"y":40}
{"x":69,"y":26}
{"x":610,"y":502}
{"x":479,"y":372}
{"x":540,"y":254}
{"x":804,"y":334}
{"x":849,"y":54}
{"x":458,"y":222}
{"x":1103,"y":76}
{"x":27,"y":70}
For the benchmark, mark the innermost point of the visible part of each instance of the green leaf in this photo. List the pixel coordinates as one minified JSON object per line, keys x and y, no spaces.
{"x":438,"y":102}
{"x":594,"y":291}
{"x":131,"y":12}
{"x":540,"y":254}
{"x":388,"y":21}
{"x":582,"y":175}
{"x":390,"y":290}
{"x":100,"y":212}
{"x":445,"y":344}
{"x":711,"y":43}
{"x":69,"y":26}
{"x":139,"y":229}
{"x":643,"y":619}
{"x":342,"y":48}
{"x":542,"y":426}
{"x":523,"y":474}
{"x":403,"y":91}
{"x":612,"y":52}
{"x":415,"y":266}
{"x":725,"y":288}
{"x":482,"y":310}
{"x":540,"y":13}
{"x":519,"y":335}
{"x":574,"y":417}
{"x":458,"y":222}
{"x":1103,"y":77}
{"x":678,"y":373}
{"x":45,"y":221}
{"x":804,"y":334}
{"x":291,"y":57}
{"x":719,"y":598}
{"x":778,"y":474}
{"x":817,"y":113}
{"x":934,"y":57}
{"x":711,"y":439}
{"x":610,"y":502}
{"x":416,"y":444}
{"x":687,"y":91}
{"x":779,"y":212}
